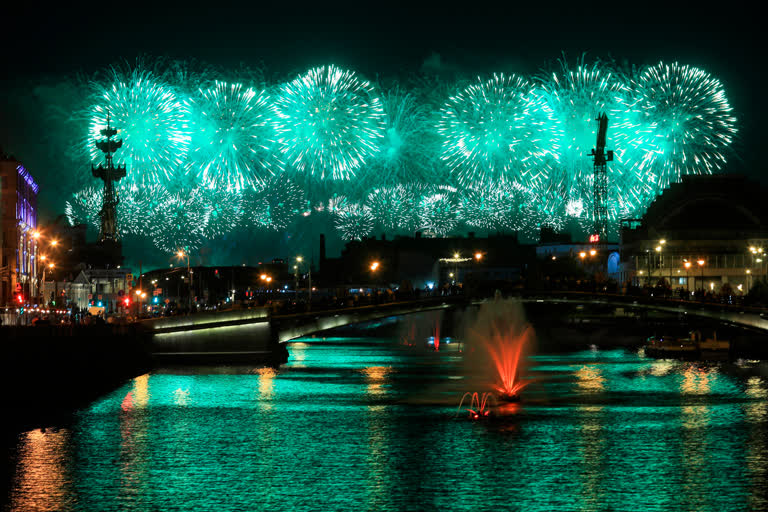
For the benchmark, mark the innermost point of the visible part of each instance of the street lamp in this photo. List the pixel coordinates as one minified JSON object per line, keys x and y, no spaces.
{"x":582,"y":255}
{"x":701,"y":266}
{"x":183,"y":254}
{"x":687,"y":277}
{"x":478,"y":256}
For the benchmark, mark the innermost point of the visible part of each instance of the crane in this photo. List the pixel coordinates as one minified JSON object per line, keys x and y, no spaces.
{"x":600,"y":190}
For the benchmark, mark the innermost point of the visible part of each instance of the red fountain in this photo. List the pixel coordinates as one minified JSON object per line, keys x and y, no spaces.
{"x":505,"y":351}
{"x":478,"y":405}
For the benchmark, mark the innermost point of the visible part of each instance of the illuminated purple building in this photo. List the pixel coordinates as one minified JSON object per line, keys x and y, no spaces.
{"x":18,"y":222}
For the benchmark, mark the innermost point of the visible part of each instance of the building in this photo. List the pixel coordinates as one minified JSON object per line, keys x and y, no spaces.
{"x":103,"y":288}
{"x":706,"y":233}
{"x":18,"y":222}
{"x":426,"y":263}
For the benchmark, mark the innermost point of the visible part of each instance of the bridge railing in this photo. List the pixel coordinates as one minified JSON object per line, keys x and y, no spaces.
{"x":647,"y":301}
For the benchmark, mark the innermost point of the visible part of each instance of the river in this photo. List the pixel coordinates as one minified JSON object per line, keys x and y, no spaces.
{"x":363,"y":423}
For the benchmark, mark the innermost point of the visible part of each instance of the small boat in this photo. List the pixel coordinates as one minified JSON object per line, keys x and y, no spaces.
{"x":690,"y":347}
{"x":664,"y":347}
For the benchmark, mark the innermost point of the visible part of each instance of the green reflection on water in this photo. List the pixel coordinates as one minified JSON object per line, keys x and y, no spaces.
{"x":350,"y":425}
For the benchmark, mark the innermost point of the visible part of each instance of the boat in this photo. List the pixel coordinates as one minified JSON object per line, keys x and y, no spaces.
{"x":689,"y":347}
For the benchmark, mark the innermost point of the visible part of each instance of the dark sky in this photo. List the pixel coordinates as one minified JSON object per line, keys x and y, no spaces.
{"x":380,"y":38}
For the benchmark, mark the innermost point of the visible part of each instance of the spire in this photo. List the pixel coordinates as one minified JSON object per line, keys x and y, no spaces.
{"x":109,"y":174}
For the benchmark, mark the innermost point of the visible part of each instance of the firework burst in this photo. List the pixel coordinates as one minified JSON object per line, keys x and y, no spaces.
{"x":234,"y":137}
{"x":354,"y":222}
{"x":687,"y":120}
{"x":394,"y":208}
{"x":437,"y":210}
{"x":498,"y":131}
{"x":331,"y":123}
{"x":84,"y":207}
{"x":500,"y":208}
{"x":180,"y":222}
{"x":151,"y":121}
{"x":577,"y":97}
{"x":225,"y":210}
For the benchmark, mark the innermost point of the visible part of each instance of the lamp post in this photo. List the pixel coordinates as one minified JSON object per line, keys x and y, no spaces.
{"x":701,"y":266}
{"x":183,"y":254}
{"x":374,"y":266}
{"x":687,"y":278}
{"x":299,"y":259}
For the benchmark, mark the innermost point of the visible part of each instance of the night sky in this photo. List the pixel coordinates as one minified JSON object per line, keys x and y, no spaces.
{"x":37,"y":45}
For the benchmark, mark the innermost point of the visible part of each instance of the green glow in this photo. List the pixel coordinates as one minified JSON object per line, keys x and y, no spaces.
{"x":503,"y":152}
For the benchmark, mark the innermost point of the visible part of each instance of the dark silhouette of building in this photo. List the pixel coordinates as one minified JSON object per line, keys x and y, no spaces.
{"x":425,"y":263}
{"x":700,"y":234}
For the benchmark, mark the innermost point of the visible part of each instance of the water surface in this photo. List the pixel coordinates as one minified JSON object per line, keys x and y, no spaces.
{"x":367,"y":424}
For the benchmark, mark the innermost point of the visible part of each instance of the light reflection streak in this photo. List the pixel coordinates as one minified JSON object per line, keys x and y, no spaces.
{"x":592,"y":439}
{"x":266,"y":387}
{"x":134,"y":425}
{"x":590,"y":378}
{"x":298,"y":352}
{"x":756,"y":412}
{"x":379,"y":474}
{"x":694,"y":421}
{"x":376,"y":377}
{"x":42,"y":482}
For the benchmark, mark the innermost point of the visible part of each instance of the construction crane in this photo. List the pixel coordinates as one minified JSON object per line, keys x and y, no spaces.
{"x":600,"y":190}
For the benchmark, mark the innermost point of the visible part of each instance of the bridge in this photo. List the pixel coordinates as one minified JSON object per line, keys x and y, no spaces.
{"x":245,"y":334}
{"x":234,"y":335}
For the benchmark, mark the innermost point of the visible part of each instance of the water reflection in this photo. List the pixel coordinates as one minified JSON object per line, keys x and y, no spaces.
{"x":591,"y":443}
{"x":42,"y":480}
{"x":371,"y":426}
{"x":376,"y":379}
{"x":590,"y":379}
{"x":756,"y":411}
{"x":134,"y":439}
{"x":266,"y":387}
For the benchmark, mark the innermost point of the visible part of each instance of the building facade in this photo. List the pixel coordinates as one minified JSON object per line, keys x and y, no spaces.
{"x":103,"y":288}
{"x":705,"y":234}
{"x":18,"y":222}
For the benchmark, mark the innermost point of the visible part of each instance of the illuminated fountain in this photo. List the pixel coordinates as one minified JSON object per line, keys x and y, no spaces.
{"x":498,"y":339}
{"x":478,"y":405}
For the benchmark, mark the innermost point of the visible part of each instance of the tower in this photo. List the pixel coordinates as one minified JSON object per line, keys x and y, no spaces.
{"x":600,"y":190}
{"x":109,"y":174}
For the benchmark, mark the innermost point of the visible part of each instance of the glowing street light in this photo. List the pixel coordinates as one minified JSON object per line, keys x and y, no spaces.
{"x":687,"y":266}
{"x":592,"y":252}
{"x":183,"y":254}
{"x":701,"y":266}
{"x":478,"y":256}
{"x":582,"y":255}
{"x":374,"y":266}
